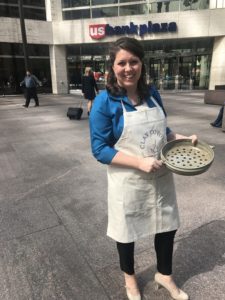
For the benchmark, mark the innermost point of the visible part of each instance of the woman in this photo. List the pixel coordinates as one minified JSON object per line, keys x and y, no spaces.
{"x":128,"y":129}
{"x":89,"y":87}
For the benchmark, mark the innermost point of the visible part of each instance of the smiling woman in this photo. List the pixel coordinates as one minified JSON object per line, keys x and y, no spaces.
{"x":128,"y":129}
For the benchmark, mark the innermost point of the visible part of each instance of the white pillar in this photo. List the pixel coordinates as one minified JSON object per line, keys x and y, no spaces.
{"x":57,"y":53}
{"x":217,"y":72}
{"x":53,"y":10}
{"x":190,"y":84}
{"x":203,"y":71}
{"x":58,"y":69}
{"x":176,"y":82}
{"x":216,"y":4}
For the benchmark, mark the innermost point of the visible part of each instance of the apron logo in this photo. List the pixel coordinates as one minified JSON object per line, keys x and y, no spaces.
{"x":152,"y":142}
{"x":97,"y":31}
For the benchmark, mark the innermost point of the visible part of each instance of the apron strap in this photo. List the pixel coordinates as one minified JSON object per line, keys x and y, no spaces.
{"x":157,"y":105}
{"x":153,"y":100}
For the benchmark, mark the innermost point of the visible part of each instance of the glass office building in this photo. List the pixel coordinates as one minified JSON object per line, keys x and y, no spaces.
{"x":11,"y":53}
{"x":183,"y":40}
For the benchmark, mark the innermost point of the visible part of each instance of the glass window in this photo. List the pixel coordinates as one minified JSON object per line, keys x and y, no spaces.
{"x":12,"y":68}
{"x":125,"y":1}
{"x":88,"y":49}
{"x":41,"y":68}
{"x":76,"y":14}
{"x":9,"y":2}
{"x":17,"y":49}
{"x":39,"y":3}
{"x":12,"y":11}
{"x":189,"y":4}
{"x":204,"y":4}
{"x":9,"y":11}
{"x":35,"y":14}
{"x":9,"y":49}
{"x":65,"y":3}
{"x":75,"y":3}
{"x":104,"y":12}
{"x":66,"y":15}
{"x":165,"y":6}
{"x":97,"y":2}
{"x":11,"y":73}
{"x":81,"y":14}
{"x":38,"y":50}
{"x":132,"y":10}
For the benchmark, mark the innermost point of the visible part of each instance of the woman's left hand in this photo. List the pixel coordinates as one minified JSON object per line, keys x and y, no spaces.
{"x":176,"y":136}
{"x":194,"y":139}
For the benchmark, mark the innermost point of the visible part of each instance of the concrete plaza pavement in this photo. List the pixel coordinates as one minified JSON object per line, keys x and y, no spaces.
{"x":53,"y":210}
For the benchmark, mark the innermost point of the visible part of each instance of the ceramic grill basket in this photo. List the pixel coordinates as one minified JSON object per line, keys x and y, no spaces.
{"x":183,"y":158}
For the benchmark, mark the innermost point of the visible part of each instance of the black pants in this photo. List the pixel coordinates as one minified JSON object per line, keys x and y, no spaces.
{"x":219,"y":120}
{"x":164,"y":253}
{"x":29,"y":94}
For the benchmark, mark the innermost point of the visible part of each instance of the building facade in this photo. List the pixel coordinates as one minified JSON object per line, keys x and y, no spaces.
{"x":184,"y":41}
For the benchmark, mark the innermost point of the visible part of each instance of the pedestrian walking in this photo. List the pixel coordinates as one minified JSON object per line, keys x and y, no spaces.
{"x":128,"y":129}
{"x":30,"y":82}
{"x":89,"y":87}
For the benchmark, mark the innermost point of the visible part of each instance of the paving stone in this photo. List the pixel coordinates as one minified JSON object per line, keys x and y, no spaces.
{"x":25,"y":215}
{"x":46,"y":265}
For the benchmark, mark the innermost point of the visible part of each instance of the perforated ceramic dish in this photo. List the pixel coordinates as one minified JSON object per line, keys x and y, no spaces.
{"x":183,"y":158}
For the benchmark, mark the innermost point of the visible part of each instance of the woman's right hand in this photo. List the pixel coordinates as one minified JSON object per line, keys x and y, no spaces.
{"x":149,"y":164}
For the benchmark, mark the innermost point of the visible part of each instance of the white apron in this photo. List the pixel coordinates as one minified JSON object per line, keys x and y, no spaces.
{"x":139,"y":203}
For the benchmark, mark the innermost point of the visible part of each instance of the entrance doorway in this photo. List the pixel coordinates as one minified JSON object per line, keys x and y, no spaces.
{"x":179,"y":72}
{"x":170,"y":64}
{"x":179,"y":65}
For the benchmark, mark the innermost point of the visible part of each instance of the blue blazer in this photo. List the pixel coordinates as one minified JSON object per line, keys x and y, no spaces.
{"x":106,"y":122}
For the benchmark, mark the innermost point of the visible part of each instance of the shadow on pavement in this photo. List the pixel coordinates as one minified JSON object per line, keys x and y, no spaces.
{"x":200,"y":252}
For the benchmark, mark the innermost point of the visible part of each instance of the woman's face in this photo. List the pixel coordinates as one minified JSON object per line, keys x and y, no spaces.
{"x":127,"y":69}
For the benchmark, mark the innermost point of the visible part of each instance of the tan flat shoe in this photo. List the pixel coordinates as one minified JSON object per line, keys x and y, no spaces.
{"x":176,"y":294}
